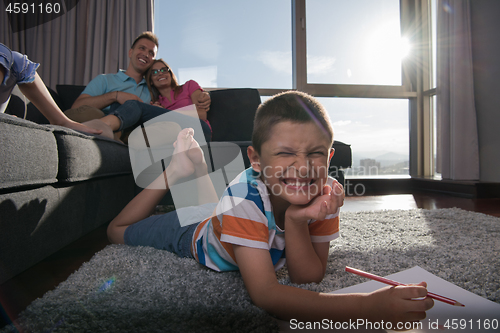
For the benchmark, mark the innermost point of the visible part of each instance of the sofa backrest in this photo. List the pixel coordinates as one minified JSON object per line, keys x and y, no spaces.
{"x":232,"y":112}
{"x":17,"y":108}
{"x":68,"y":93}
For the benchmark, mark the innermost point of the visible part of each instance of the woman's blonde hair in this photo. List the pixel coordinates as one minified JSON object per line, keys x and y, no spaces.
{"x":155,"y":94}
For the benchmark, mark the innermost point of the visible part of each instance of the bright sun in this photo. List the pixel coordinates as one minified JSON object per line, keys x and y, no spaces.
{"x":404,"y":47}
{"x":385,"y":49}
{"x":386,"y":42}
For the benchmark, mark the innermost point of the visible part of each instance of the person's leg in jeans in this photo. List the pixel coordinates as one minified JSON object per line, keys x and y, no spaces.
{"x":187,"y":160}
{"x":149,"y":112}
{"x":133,"y":113}
{"x":121,"y":117}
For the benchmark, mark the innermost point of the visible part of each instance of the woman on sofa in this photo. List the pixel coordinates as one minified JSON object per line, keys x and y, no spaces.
{"x":17,"y":69}
{"x":167,"y":93}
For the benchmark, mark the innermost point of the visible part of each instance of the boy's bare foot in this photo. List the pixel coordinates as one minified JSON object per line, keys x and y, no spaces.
{"x":181,"y":164}
{"x":195,"y":153}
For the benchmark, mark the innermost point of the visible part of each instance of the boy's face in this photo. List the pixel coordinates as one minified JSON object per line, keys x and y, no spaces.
{"x":294,"y":161}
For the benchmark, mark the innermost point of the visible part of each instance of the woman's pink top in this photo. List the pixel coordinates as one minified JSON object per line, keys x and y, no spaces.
{"x":183,"y":99}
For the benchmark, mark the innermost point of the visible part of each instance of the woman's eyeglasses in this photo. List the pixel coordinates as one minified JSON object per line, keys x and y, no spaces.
{"x":161,"y":70}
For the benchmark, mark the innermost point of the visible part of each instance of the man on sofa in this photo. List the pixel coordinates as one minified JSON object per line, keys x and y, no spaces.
{"x":17,"y":69}
{"x":107,"y":92}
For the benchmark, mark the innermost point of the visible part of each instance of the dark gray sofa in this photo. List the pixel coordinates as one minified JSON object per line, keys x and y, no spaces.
{"x":57,"y":184}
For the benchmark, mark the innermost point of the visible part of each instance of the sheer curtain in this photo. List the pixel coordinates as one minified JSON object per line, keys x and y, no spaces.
{"x":91,"y":38}
{"x":112,"y":27}
{"x":457,"y":137}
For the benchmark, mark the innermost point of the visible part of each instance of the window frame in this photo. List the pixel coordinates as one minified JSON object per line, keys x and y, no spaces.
{"x":416,"y":84}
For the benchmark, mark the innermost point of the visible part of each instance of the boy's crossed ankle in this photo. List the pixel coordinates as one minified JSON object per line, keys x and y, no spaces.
{"x":187,"y":154}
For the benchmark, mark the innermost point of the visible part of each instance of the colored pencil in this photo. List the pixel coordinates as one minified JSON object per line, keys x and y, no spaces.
{"x":395,"y":283}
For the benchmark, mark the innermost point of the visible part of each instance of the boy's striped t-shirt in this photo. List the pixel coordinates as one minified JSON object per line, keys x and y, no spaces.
{"x":244,"y":216}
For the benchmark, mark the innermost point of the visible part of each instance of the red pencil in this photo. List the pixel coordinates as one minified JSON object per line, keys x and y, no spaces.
{"x":395,"y":283}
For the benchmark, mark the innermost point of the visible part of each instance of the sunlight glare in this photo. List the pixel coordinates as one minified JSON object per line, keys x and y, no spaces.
{"x":404,"y":47}
{"x":385,"y":45}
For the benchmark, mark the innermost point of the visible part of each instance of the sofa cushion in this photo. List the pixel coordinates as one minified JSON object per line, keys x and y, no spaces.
{"x":232,"y":112}
{"x":68,"y":93}
{"x":28,"y":154}
{"x":83,"y":156}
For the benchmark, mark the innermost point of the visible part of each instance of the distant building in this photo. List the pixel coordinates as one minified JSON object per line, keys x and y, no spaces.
{"x":369,"y":166}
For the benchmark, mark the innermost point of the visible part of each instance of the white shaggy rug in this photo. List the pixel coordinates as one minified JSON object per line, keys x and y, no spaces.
{"x":141,"y":289}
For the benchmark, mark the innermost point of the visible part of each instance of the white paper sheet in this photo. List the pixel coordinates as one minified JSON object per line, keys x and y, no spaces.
{"x":477,"y":310}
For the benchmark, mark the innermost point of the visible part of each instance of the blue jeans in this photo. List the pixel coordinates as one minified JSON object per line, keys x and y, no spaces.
{"x":134,"y":113}
{"x":166,"y":231}
{"x":162,"y":232}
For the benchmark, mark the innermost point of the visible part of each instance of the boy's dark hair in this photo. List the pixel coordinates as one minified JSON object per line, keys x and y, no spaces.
{"x":294,"y":106}
{"x":148,"y":35}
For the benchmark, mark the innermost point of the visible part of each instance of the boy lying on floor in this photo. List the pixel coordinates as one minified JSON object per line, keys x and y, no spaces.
{"x":286,"y":197}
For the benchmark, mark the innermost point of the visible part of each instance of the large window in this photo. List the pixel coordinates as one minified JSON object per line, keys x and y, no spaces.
{"x":349,"y":54}
{"x":377,"y":130}
{"x":225,"y":43}
{"x":354,"y":42}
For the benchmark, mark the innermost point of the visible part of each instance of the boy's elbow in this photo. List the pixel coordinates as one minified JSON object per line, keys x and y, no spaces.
{"x":311,"y":276}
{"x":262,"y":302}
{"x":308,"y":279}
{"x":318,"y":278}
{"x":265,"y":298}
{"x":271,"y":303}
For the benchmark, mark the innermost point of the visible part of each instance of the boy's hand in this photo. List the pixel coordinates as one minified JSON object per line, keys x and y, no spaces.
{"x":306,"y":260}
{"x":399,"y":304}
{"x":326,"y":203}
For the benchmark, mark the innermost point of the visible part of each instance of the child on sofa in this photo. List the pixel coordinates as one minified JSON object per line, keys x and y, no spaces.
{"x":286,"y":197}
